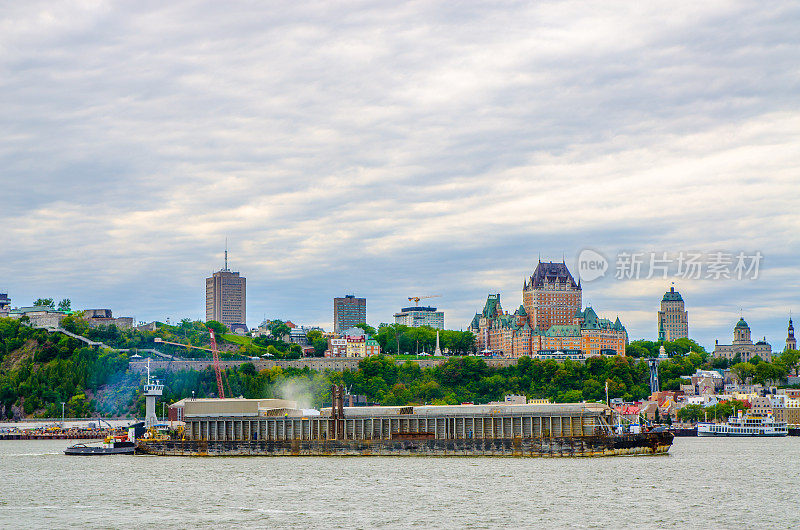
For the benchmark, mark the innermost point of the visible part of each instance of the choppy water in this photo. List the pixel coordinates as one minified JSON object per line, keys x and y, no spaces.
{"x":704,"y":482}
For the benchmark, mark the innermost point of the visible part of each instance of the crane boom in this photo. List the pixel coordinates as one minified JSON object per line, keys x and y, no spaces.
{"x":416,"y":299}
{"x":217,"y":371}
{"x":214,"y":356}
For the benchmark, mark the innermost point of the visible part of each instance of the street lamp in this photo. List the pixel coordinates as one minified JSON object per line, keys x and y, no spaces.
{"x":62,"y":415}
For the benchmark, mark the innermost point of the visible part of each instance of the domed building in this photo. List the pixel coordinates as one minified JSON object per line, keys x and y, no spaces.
{"x":743,"y":346}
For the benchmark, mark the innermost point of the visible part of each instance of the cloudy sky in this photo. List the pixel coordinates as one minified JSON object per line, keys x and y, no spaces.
{"x":398,"y":150}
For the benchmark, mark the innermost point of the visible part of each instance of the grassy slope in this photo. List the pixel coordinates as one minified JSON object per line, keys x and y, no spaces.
{"x":237,"y":339}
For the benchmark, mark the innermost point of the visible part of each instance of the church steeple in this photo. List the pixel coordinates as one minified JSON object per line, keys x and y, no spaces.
{"x":791,"y":342}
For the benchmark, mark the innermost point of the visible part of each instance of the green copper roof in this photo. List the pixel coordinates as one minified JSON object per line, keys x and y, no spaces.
{"x":521,"y":311}
{"x":492,"y":306}
{"x":563,"y":331}
{"x":741,"y":324}
{"x":672,"y":296}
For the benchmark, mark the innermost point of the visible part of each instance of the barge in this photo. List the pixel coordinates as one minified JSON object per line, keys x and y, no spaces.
{"x":229,"y":427}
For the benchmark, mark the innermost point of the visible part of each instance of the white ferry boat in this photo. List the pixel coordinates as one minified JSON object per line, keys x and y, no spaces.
{"x":744,"y":425}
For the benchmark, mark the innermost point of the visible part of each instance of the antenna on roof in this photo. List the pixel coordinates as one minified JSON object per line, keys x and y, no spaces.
{"x":226,"y":253}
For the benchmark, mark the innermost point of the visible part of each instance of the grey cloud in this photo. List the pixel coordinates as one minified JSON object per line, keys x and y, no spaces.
{"x":425,"y":146}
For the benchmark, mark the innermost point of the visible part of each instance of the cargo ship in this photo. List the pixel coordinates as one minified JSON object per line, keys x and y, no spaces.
{"x":271,"y":427}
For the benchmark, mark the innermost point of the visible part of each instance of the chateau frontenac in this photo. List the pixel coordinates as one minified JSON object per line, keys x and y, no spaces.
{"x":550,"y":319}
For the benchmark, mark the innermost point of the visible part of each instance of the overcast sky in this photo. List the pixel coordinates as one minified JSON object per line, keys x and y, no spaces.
{"x":391,"y":151}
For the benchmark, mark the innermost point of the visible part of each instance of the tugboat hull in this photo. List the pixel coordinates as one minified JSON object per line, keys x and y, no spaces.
{"x":125,"y":448}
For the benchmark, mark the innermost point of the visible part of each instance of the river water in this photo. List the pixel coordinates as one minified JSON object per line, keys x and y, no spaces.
{"x":703,"y":482}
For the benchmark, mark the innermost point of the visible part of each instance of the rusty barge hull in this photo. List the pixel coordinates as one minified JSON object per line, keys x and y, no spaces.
{"x":585,"y":446}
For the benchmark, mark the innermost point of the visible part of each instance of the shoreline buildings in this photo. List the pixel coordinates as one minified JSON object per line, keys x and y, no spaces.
{"x":550,"y":319}
{"x":673,"y":320}
{"x":226,"y":294}
{"x":348,"y":312}
{"x":742,"y":347}
{"x":417,"y":316}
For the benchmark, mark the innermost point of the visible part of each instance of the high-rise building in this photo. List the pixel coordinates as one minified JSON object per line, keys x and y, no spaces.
{"x":417,"y":316}
{"x":551,"y":297}
{"x":673,"y":320}
{"x":348,"y":312}
{"x":791,"y":343}
{"x":226,"y":297}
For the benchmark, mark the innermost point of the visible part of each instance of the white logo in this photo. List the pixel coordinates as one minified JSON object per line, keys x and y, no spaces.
{"x":591,"y":265}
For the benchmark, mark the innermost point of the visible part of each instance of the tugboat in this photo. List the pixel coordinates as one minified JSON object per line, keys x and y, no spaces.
{"x":112,"y":445}
{"x":126,"y":444}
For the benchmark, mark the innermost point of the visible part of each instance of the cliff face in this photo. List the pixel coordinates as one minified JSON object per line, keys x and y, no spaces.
{"x":16,"y":358}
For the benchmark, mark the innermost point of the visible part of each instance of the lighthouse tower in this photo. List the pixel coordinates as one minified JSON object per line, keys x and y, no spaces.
{"x":152,"y":390}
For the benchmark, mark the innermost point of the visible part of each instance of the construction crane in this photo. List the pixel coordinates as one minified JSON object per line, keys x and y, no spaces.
{"x":416,"y":299}
{"x":217,"y":371}
{"x":214,"y":356}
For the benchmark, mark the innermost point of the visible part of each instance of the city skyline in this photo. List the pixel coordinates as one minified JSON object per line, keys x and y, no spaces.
{"x":417,"y":148}
{"x":299,"y":306}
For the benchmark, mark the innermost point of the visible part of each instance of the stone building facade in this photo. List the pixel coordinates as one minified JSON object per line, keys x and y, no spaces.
{"x":104,"y":317}
{"x":550,"y":319}
{"x":673,"y":320}
{"x":743,"y":347}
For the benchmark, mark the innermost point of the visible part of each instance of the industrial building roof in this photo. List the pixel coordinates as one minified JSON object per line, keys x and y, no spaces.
{"x":472,"y":410}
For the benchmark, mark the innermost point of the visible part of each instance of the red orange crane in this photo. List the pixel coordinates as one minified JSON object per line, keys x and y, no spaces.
{"x":416,"y":299}
{"x":214,"y":356}
{"x":217,"y":371}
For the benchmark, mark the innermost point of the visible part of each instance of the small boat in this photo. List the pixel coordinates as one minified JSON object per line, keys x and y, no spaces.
{"x":124,"y":444}
{"x":744,"y":425}
{"x":112,"y":445}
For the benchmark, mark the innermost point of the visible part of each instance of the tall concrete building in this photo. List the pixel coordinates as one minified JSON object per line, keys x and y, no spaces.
{"x":226,"y":297}
{"x":348,"y":312}
{"x":673,"y":320}
{"x":417,"y":316}
{"x":791,"y":342}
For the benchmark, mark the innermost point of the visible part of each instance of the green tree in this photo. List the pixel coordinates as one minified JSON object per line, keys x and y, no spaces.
{"x":45,"y":302}
{"x":218,"y":327}
{"x":278,"y":329}
{"x":369,"y":330}
{"x":691,"y":413}
{"x":320,"y":346}
{"x":65,"y":305}
{"x":743,"y":371}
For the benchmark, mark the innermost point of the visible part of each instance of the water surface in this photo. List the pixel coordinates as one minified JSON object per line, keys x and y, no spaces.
{"x":703,"y":482}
